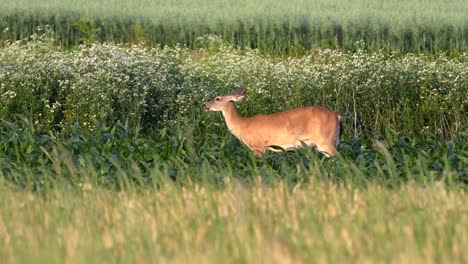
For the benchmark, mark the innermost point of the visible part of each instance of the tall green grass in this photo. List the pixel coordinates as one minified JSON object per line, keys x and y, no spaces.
{"x":281,"y":25}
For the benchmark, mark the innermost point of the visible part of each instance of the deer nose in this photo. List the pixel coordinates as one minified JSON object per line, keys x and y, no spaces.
{"x":205,"y":107}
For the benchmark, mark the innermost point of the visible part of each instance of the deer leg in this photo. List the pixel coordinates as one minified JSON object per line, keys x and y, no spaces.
{"x":258,"y":152}
{"x":327,"y":149}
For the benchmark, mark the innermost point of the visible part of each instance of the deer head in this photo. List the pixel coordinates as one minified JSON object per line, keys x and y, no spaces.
{"x":219,"y":103}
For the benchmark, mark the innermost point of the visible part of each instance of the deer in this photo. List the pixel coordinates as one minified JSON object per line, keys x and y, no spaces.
{"x":314,"y":126}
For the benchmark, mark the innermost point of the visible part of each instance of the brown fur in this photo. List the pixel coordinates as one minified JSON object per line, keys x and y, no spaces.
{"x":314,"y":126}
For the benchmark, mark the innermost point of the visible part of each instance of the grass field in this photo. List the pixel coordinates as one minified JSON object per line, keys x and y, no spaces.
{"x":240,"y":223}
{"x":107,"y":156}
{"x":280,"y":26}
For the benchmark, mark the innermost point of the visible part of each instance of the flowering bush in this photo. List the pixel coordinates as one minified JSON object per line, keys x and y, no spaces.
{"x":152,"y":87}
{"x":96,"y":82}
{"x":411,"y":93}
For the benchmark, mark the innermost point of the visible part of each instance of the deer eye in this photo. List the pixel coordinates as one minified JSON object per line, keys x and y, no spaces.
{"x":217,"y":99}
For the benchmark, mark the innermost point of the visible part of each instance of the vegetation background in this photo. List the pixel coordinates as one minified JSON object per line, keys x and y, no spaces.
{"x":106,"y":154}
{"x":279,"y":26}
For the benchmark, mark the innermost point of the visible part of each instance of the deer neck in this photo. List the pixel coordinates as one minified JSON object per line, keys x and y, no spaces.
{"x":233,"y":118}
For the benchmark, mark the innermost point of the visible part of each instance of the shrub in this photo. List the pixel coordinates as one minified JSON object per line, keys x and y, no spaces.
{"x":157,"y":86}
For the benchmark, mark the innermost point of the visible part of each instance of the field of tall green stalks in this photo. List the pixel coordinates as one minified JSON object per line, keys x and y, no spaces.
{"x":274,"y":26}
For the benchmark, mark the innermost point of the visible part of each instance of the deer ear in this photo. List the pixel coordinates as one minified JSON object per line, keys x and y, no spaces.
{"x":237,"y":97}
{"x":239,"y":91}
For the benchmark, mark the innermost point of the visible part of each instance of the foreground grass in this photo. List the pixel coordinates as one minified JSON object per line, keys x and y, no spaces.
{"x":241,"y":222}
{"x":118,"y":195}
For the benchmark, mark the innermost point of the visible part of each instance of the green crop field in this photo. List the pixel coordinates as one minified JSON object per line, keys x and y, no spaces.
{"x":107,"y":156}
{"x":279,"y":26}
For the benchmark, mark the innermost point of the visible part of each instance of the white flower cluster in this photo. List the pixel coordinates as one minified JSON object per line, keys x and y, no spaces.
{"x":159,"y":85}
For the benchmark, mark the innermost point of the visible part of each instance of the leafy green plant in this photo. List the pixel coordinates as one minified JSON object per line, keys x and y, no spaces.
{"x":117,"y":156}
{"x":88,"y":32}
